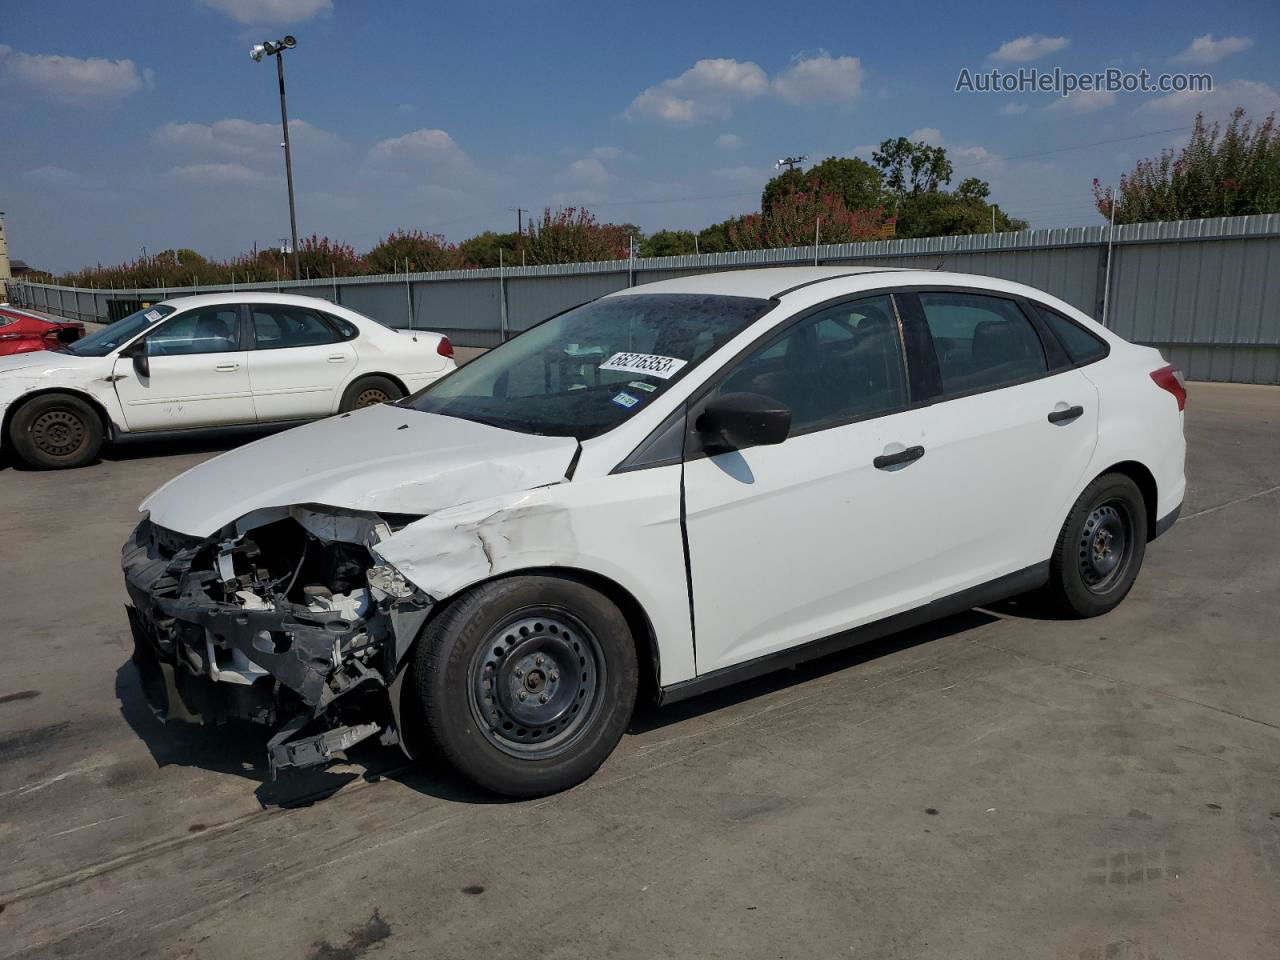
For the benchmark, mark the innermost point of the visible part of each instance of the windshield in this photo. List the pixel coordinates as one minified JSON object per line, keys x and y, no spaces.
{"x":586,"y":371}
{"x":122,"y":331}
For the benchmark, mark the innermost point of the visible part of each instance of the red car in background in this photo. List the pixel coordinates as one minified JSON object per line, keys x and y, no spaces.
{"x":22,"y":332}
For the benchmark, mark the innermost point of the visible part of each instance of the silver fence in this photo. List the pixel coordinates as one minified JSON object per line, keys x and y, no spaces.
{"x":1206,"y":292}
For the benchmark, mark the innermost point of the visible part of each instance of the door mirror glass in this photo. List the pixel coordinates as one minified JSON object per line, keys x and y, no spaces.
{"x":735,"y":421}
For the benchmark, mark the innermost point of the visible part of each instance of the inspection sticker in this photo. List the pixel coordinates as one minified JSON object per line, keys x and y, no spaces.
{"x":641,"y":385}
{"x":662,"y":367}
{"x":153,"y":315}
{"x":626,"y":400}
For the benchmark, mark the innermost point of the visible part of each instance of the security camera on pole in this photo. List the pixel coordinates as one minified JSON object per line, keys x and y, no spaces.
{"x":269,"y":49}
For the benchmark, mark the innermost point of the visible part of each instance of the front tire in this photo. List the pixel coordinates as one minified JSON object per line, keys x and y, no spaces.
{"x":1100,"y":548}
{"x":527,"y":683}
{"x":56,"y":431}
{"x":369,"y":391}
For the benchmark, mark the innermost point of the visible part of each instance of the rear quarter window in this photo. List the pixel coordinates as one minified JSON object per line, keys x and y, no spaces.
{"x":1081,"y":345}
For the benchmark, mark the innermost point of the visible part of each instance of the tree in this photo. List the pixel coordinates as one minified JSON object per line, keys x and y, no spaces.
{"x":912,"y":167}
{"x":482,"y":249}
{"x":852,"y":179}
{"x":669,"y":243}
{"x":1227,"y":172}
{"x":413,"y":251}
{"x":321,"y":257}
{"x":794,"y":220}
{"x":715,"y":238}
{"x":572,"y":235}
{"x":939,"y":213}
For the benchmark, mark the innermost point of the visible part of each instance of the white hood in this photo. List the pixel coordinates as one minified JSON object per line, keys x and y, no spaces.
{"x":53,"y":364}
{"x":380,"y":459}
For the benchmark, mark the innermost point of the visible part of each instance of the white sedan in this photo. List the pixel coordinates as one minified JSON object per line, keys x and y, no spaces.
{"x":667,"y":490}
{"x":208,"y":361}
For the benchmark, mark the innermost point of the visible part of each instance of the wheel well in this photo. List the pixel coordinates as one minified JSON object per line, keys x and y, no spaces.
{"x":386,"y":376}
{"x":1146,"y":482}
{"x":642,"y":634}
{"x":108,"y":428}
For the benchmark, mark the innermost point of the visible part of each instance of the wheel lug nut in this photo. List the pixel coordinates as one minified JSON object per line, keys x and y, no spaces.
{"x":522,"y":695}
{"x":555,"y":677}
{"x":538,"y":661}
{"x":519,"y":674}
{"x":543,"y":698}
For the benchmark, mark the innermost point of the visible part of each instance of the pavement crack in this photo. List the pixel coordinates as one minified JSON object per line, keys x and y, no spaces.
{"x":1232,"y":502}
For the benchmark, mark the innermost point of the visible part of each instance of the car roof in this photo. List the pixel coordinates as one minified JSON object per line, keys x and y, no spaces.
{"x":776,"y":282}
{"x":249,"y":296}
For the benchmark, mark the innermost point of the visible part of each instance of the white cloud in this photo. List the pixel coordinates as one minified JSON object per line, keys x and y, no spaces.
{"x":1207,"y":49}
{"x":960,"y":154}
{"x":60,"y":178}
{"x":605,"y":153}
{"x":707,"y":90}
{"x":1031,"y":47}
{"x":588,"y":170}
{"x":1084,"y":101}
{"x":72,"y":79}
{"x":270,"y":11}
{"x":819,"y":79}
{"x":728,"y":141}
{"x":239,"y":139}
{"x":1013,"y":108}
{"x":425,"y":157}
{"x":1258,"y":100}
{"x":219,"y":174}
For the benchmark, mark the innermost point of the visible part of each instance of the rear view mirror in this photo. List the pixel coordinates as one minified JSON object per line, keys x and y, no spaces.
{"x":141,"y":362}
{"x":736,"y":421}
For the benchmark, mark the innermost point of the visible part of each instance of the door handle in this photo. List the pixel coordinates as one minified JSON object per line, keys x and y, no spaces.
{"x":1057,"y":416}
{"x":337,"y":358}
{"x":227,"y":367}
{"x":909,"y":455}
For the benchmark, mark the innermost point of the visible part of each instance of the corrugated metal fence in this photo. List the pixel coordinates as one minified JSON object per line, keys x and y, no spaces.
{"x":1206,"y":292}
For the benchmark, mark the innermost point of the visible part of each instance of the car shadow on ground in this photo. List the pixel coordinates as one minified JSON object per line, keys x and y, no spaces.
{"x":240,"y":749}
{"x":197,"y":443}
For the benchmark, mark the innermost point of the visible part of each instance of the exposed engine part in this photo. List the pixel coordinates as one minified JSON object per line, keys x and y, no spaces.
{"x":273,"y":622}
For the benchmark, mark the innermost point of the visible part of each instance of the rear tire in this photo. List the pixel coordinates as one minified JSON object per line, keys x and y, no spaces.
{"x":1100,"y":548}
{"x":527,"y":683}
{"x":368,"y":391}
{"x":56,"y":431}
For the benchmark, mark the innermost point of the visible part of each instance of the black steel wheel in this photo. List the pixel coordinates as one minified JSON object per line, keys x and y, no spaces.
{"x":369,"y":391}
{"x":527,"y":683}
{"x":1100,"y":548}
{"x":536,"y":682}
{"x":56,"y":430}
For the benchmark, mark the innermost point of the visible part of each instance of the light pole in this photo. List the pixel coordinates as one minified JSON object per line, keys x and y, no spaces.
{"x":277,"y":49}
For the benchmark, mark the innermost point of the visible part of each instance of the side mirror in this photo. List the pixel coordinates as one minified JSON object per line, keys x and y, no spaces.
{"x":141,"y":362}
{"x":735,"y":421}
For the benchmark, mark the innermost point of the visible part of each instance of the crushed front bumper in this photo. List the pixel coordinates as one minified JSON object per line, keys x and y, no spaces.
{"x":322,"y":678}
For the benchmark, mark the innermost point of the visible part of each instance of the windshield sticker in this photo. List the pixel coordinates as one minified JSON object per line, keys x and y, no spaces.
{"x":626,"y":400}
{"x":153,"y":315}
{"x":663,"y":367}
{"x":641,"y":385}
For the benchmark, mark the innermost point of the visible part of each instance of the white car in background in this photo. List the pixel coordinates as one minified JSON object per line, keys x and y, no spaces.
{"x":669,"y":489}
{"x":208,"y":361}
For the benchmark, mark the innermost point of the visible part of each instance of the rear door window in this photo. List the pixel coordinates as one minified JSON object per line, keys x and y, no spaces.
{"x":277,"y":328}
{"x":981,"y":342}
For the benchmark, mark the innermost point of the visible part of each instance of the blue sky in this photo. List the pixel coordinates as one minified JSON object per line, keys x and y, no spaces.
{"x":144,"y":122}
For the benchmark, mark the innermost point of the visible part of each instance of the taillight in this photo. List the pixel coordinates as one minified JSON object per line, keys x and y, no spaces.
{"x":1170,"y":378}
{"x":444,"y":347}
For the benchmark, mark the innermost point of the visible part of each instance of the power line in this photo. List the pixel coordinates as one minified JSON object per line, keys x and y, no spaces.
{"x":1080,"y":146}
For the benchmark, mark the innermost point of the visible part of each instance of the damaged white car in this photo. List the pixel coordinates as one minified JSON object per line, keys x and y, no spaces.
{"x":674,"y":487}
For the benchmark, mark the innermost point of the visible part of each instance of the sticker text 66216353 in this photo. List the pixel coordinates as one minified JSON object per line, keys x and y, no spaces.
{"x":662,"y":367}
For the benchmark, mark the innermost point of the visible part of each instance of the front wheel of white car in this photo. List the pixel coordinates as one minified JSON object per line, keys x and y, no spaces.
{"x":54,"y":431}
{"x":527,"y":683}
{"x":1100,"y":548}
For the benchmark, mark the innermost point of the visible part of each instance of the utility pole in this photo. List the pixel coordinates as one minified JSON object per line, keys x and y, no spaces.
{"x":789,"y":162}
{"x":520,"y":212}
